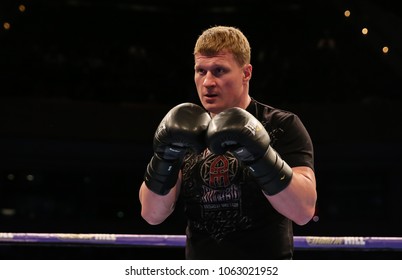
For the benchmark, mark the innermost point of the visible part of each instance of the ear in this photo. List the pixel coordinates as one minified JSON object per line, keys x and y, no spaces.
{"x":247,"y":72}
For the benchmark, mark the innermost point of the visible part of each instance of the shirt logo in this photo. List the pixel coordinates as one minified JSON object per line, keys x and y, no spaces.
{"x":218,"y":171}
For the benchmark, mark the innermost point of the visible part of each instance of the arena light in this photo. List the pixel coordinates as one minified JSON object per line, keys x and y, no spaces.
{"x":6,"y":25}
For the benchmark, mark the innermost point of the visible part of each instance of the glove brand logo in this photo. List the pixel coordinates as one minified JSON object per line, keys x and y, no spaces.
{"x":218,"y":171}
{"x":252,"y":126}
{"x":174,"y":150}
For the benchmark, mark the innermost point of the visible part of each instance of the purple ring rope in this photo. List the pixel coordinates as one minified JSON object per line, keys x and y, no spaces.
{"x":300,"y":242}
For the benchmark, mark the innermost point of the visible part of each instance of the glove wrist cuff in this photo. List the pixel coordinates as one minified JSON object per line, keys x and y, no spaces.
{"x":161,"y":175}
{"x":272,"y":173}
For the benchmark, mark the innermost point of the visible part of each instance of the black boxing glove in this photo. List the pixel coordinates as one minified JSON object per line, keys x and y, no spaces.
{"x":239,"y":132}
{"x":182,"y":129}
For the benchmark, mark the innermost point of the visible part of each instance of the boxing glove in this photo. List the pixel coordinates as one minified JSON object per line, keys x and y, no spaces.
{"x":181,"y":130}
{"x":239,"y":132}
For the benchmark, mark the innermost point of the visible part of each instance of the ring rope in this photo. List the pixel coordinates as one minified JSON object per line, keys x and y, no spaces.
{"x":300,"y":242}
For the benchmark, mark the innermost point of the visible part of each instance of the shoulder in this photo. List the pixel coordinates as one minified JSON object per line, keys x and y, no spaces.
{"x":288,"y":134}
{"x":274,"y":118}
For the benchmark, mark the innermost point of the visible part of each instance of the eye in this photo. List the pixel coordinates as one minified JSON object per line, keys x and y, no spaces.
{"x":200,"y":71}
{"x":219,"y":71}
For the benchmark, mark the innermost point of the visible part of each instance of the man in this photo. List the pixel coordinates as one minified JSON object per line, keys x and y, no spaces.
{"x":244,"y":170}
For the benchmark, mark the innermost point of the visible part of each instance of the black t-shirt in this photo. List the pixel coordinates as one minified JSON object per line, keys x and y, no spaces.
{"x":228,"y":215}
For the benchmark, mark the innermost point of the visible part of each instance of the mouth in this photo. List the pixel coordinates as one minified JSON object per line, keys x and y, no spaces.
{"x":210,"y":98}
{"x":210,"y":95}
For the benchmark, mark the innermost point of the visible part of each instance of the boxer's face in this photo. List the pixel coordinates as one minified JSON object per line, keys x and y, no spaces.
{"x":221,"y":83}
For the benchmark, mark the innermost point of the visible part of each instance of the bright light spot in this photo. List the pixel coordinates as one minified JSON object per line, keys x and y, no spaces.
{"x":22,"y":8}
{"x":6,"y":26}
{"x":30,"y":177}
{"x":8,"y":212}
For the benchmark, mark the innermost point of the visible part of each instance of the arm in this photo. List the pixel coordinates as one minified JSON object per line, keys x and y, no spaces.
{"x":297,"y":201}
{"x":291,"y":191}
{"x":182,"y":129}
{"x":156,"y":208}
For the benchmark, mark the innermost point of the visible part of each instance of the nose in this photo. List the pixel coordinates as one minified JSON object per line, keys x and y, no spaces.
{"x":209,"y":80}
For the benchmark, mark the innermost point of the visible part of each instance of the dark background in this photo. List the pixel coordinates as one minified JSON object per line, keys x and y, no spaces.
{"x":84,"y":83}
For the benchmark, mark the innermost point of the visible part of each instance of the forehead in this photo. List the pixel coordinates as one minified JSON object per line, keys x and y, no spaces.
{"x":220,"y":58}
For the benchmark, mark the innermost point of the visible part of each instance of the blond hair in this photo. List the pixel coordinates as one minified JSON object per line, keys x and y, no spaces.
{"x":224,"y":38}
